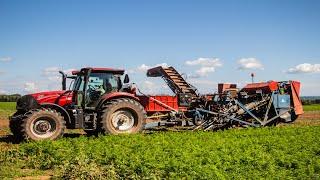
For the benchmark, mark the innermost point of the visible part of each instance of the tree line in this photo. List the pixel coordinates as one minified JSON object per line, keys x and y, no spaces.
{"x":9,"y":98}
{"x":310,"y":101}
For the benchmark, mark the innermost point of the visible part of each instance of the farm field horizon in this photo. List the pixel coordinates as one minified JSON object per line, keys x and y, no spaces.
{"x":285,"y":151}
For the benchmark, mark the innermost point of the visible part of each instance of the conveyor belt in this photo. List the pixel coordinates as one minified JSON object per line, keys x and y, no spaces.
{"x":173,"y":79}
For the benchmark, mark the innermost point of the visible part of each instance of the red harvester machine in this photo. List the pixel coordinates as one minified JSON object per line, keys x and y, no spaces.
{"x":99,"y":102}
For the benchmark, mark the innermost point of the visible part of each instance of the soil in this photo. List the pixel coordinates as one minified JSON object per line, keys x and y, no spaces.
{"x":310,"y":115}
{"x":4,"y":126}
{"x":35,"y":178}
{"x":4,"y":123}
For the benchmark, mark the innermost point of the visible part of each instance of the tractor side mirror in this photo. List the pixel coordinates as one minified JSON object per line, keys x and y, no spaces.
{"x":126,"y":79}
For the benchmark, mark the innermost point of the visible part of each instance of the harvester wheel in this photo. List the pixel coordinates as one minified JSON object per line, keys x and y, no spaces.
{"x":294,"y":117}
{"x":121,"y":116}
{"x":42,"y":124}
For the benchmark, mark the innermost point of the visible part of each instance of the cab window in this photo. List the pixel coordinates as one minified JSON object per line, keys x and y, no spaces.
{"x":100,"y":84}
{"x":105,"y":82}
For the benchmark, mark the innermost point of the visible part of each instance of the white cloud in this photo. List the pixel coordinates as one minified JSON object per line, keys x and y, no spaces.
{"x":203,"y":82}
{"x":143,"y":68}
{"x":52,"y":73}
{"x":2,"y":72}
{"x":204,"y":86}
{"x":3,"y":92}
{"x":51,"y":70}
{"x":193,"y":76}
{"x":30,"y":87}
{"x":149,"y":87}
{"x":51,"y":81}
{"x":54,"y":78}
{"x":6,"y":59}
{"x":154,"y":87}
{"x":304,"y":68}
{"x":149,"y":84}
{"x":209,"y":62}
{"x":207,"y":65}
{"x":204,"y":71}
{"x":249,"y":63}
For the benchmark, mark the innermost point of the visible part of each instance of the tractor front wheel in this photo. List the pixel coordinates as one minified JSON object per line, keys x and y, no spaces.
{"x":42,"y":124}
{"x":123,"y":116}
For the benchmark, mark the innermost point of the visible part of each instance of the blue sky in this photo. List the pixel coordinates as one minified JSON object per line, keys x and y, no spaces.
{"x":210,"y":41}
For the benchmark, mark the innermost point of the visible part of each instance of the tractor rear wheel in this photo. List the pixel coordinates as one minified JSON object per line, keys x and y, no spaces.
{"x":42,"y":124}
{"x":123,"y":116}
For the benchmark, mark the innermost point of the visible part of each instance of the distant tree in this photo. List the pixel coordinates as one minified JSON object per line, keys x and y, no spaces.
{"x":9,"y":98}
{"x":310,"y":101}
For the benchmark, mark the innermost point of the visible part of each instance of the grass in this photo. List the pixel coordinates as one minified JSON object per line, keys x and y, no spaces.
{"x":10,"y":106}
{"x":271,"y":153}
{"x":6,"y":109}
{"x":313,"y":107}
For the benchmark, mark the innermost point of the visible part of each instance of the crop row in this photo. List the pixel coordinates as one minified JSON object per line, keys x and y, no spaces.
{"x":286,"y":152}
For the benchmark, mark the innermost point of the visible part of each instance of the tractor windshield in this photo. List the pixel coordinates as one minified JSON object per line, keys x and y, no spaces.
{"x":106,"y":82}
{"x":99,"y":83}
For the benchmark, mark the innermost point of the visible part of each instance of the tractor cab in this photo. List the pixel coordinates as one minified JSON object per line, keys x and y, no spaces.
{"x":91,"y":84}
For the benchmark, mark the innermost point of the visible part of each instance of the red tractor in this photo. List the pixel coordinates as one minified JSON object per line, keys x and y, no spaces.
{"x":99,"y":102}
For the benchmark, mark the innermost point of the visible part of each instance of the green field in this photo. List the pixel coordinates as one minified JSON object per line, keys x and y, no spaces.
{"x":6,"y":109}
{"x":10,"y":106}
{"x":285,"y":152}
{"x":313,"y":107}
{"x":271,"y":153}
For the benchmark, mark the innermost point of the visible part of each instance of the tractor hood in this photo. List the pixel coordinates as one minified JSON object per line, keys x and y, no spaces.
{"x":31,"y":101}
{"x":48,"y":96}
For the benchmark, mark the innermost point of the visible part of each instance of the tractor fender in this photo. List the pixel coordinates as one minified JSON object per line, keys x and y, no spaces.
{"x":116,"y":95}
{"x":59,"y":109}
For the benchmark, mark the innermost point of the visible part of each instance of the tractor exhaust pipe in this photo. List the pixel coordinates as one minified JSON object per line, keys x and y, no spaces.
{"x":64,"y":80}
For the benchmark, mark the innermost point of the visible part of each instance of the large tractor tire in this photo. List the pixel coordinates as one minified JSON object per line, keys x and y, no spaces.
{"x":40,"y":124}
{"x":123,"y":116}
{"x":15,"y":125}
